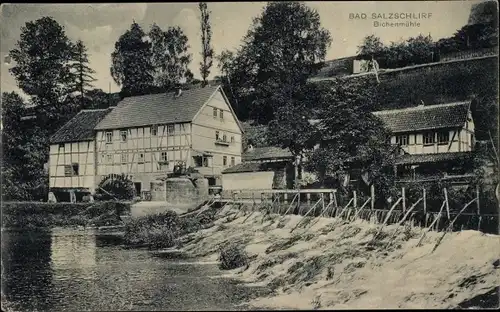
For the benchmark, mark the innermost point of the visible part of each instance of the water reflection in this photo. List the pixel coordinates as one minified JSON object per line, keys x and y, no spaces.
{"x":26,"y":269}
{"x":72,"y":270}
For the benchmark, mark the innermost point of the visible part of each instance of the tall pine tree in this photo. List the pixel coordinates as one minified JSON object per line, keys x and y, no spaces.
{"x":132,"y":67}
{"x":81,"y":70}
{"x":206,"y":36}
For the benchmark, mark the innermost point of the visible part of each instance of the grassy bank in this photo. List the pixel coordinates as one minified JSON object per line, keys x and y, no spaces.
{"x":32,"y":215}
{"x":163,"y":230}
{"x":329,"y":263}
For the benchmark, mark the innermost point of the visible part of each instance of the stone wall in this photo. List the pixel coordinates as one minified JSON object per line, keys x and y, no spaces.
{"x":185,"y":191}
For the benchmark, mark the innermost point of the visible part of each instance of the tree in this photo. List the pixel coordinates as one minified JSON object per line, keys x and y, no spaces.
{"x":24,"y":152}
{"x":206,"y":37}
{"x":371,"y":48}
{"x":352,"y":138}
{"x":42,"y":60}
{"x":80,"y":69}
{"x":170,"y":57}
{"x":132,"y":67}
{"x":291,"y":128}
{"x":285,"y":45}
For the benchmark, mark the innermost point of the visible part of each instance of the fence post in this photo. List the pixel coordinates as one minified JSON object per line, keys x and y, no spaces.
{"x":285,"y":198}
{"x":447,"y":203}
{"x":308,"y":196}
{"x":425,"y":202}
{"x":372,"y":194}
{"x":355,"y":201}
{"x":331,"y":197}
{"x":335,"y":198}
{"x":403,"y":200}
{"x":477,"y":201}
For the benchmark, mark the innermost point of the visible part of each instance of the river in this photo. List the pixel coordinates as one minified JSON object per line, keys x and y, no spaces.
{"x":75,"y":270}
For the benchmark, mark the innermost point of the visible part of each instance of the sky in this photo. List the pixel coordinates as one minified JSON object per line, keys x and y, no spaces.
{"x":100,"y":25}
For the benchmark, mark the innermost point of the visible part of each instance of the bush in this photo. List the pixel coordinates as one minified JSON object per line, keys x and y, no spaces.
{"x":115,"y":186}
{"x":42,"y":214}
{"x":232,"y":256}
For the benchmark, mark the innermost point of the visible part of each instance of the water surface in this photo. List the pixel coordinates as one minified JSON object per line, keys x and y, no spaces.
{"x":69,"y":270}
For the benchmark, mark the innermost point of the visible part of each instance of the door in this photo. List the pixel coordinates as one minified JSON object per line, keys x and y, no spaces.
{"x":137,"y":188}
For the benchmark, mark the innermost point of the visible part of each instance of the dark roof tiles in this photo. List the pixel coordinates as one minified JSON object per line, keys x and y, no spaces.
{"x":408,"y":159}
{"x":267,"y":152}
{"x":162,"y":108}
{"x":80,"y":127}
{"x":425,"y":117}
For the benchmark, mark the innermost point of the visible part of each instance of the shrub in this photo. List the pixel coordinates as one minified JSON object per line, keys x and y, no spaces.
{"x":42,"y":214}
{"x":116,"y":187}
{"x":232,"y":256}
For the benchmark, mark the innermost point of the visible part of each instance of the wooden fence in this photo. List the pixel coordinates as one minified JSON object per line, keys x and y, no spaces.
{"x":328,"y":203}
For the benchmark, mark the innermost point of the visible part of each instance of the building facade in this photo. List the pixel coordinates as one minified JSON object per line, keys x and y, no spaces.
{"x":267,"y":167}
{"x":146,"y":136}
{"x":434,"y":140}
{"x":72,"y":156}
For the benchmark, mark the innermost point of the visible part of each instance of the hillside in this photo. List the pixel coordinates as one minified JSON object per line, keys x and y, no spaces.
{"x":435,"y":83}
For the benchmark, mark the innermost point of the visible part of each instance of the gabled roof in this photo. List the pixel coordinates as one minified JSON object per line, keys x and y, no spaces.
{"x":162,"y":108}
{"x":80,"y":127}
{"x":266,"y":153}
{"x":425,"y":117}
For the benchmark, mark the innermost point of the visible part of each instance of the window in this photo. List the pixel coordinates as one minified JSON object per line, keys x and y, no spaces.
{"x":217,"y":135}
{"x":233,"y":161}
{"x":124,"y":158}
{"x":215,"y":112}
{"x":221,"y":114}
{"x":123,"y":136}
{"x":71,"y":170}
{"x":141,"y":158}
{"x":75,"y":168}
{"x":443,"y":137}
{"x":403,"y":139}
{"x":170,"y":129}
{"x":61,"y":146}
{"x":205,"y":161}
{"x":154,"y":130}
{"x":109,"y":159}
{"x":224,"y":160}
{"x":429,"y":138}
{"x":232,"y":139}
{"x":109,"y":137}
{"x":163,"y":157}
{"x":224,"y":138}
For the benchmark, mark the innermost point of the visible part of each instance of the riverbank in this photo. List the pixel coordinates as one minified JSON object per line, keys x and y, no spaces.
{"x":329,"y":263}
{"x":41,"y":215}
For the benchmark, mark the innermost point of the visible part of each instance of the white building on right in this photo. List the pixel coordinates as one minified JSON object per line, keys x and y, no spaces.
{"x":435,"y":140}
